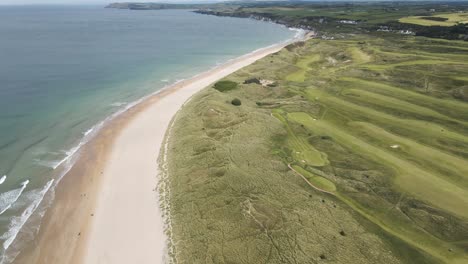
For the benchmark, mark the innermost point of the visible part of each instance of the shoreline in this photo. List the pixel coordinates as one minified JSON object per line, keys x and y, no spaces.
{"x":75,"y":229}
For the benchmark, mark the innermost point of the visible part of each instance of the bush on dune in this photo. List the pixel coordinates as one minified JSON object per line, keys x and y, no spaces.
{"x":236,"y":102}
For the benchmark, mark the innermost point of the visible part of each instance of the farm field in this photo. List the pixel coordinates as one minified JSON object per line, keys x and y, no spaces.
{"x":447,"y":20}
{"x":353,"y":148}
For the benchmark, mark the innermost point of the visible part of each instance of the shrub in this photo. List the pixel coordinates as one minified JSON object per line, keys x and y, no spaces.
{"x":224,"y":86}
{"x":236,"y":102}
{"x":252,"y":80}
{"x":435,"y":18}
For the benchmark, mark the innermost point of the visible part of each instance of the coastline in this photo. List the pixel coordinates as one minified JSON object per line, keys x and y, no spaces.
{"x":76,"y":228}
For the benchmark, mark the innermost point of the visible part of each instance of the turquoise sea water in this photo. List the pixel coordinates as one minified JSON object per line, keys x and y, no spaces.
{"x":63,"y":70}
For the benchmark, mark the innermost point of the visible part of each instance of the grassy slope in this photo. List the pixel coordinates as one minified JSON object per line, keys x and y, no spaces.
{"x":235,"y":201}
{"x":379,"y":140}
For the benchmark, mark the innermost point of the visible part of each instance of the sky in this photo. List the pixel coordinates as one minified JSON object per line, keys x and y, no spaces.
{"x":103,"y":2}
{"x":21,"y":2}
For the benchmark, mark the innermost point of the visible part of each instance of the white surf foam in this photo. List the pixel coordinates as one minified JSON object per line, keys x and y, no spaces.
{"x":2,"y":180}
{"x":300,"y":33}
{"x":54,"y":164}
{"x":7,"y":199}
{"x":89,"y":131}
{"x":17,"y":222}
{"x":68,"y":154}
{"x":87,"y":135}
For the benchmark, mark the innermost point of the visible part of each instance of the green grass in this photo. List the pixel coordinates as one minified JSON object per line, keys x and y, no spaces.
{"x":452,"y":108}
{"x":318,"y":181}
{"x":303,"y":65}
{"x":404,"y":126}
{"x":412,"y":63}
{"x":410,"y":178}
{"x":452,"y":19}
{"x":234,"y":200}
{"x":224,"y":86}
{"x":358,"y":55}
{"x":393,"y":103}
{"x":302,"y":151}
{"x":453,"y":168}
{"x":376,"y":130}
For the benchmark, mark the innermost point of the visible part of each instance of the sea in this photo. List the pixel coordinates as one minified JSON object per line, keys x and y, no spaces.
{"x":66,"y":70}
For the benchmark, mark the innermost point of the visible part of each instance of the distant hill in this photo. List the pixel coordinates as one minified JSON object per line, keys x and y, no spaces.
{"x":157,"y":6}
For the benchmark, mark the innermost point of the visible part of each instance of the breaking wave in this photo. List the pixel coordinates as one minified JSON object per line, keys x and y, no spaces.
{"x":30,"y":202}
{"x":7,"y":199}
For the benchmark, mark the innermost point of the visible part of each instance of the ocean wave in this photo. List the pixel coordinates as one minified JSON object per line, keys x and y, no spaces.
{"x":53,"y":164}
{"x":34,"y":198}
{"x":87,"y":132}
{"x":118,"y":104}
{"x":7,"y":199}
{"x":87,"y":135}
{"x":165,"y":80}
{"x":2,"y":180}
{"x":68,"y":154}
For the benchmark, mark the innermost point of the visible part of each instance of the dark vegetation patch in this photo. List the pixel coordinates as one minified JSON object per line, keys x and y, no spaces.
{"x":236,"y":102}
{"x":457,"y":32}
{"x":461,"y":93}
{"x":434,"y":18}
{"x":225,"y":86}
{"x":252,"y":80}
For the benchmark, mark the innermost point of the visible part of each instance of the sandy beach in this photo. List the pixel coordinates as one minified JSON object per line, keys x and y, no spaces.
{"x":106,"y":208}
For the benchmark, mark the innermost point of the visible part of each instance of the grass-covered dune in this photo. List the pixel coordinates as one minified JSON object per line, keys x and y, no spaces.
{"x":338,"y":151}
